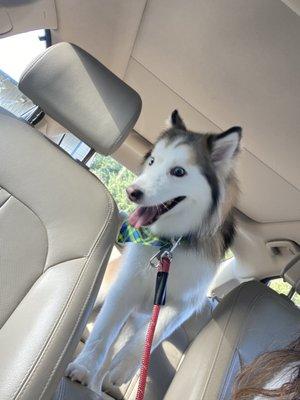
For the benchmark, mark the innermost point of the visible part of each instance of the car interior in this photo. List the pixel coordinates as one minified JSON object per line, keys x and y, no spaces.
{"x":105,"y":77}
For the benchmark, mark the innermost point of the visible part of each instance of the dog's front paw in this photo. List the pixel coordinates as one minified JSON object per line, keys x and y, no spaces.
{"x":79,"y":373}
{"x":123,"y":370}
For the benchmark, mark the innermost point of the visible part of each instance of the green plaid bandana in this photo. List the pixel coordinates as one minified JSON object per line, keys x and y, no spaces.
{"x":141,"y":236}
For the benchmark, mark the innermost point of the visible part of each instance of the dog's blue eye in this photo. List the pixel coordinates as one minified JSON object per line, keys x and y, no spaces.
{"x":151,"y":161}
{"x":178,"y":171}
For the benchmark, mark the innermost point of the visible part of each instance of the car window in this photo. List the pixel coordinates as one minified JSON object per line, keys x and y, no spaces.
{"x":16,"y":53}
{"x":284,"y":288}
{"x":116,"y":177}
{"x":72,"y":145}
{"x":229,"y":254}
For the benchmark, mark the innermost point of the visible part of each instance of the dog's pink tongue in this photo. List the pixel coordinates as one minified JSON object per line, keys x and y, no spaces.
{"x":142,"y":216}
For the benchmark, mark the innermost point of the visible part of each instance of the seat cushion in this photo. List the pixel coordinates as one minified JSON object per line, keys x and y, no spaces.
{"x":68,"y":390}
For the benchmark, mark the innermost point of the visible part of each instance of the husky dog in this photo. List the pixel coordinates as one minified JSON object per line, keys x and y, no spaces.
{"x":187,"y":188}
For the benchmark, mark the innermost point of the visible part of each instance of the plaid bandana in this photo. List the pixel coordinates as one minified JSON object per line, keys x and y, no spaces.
{"x":141,"y":236}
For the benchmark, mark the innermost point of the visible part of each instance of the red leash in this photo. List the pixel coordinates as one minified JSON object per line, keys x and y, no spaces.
{"x":146,"y":355}
{"x":159,"y":299}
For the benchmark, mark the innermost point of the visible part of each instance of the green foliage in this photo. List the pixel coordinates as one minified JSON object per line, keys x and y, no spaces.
{"x":115,"y":177}
{"x":228,"y":254}
{"x":282,"y":287}
{"x":296,"y":299}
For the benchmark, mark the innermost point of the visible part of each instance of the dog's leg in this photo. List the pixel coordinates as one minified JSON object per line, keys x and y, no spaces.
{"x":135,"y":322}
{"x":126,"y":363}
{"x":113,"y":315}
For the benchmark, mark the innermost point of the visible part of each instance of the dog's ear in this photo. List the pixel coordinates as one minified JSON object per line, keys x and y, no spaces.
{"x":176,"y":121}
{"x":224,"y":146}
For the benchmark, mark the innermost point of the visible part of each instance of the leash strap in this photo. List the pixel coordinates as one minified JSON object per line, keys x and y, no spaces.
{"x":163,"y":267}
{"x":161,"y":281}
{"x":147,"y":353}
{"x":159,"y":299}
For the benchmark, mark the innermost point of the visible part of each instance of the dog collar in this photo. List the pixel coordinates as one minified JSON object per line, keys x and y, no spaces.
{"x":140,"y":236}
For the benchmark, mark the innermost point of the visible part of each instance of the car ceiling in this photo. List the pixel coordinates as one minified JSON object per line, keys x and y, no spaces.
{"x":220,"y":63}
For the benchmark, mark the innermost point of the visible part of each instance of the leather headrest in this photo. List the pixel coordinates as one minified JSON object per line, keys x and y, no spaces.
{"x":82,"y":95}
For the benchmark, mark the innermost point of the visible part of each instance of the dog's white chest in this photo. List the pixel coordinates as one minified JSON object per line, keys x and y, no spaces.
{"x":189,"y":276}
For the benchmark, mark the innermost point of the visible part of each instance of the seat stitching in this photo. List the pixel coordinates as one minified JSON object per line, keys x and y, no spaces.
{"x":38,"y":217}
{"x":220,"y":342}
{"x":80,"y":313}
{"x":55,"y":326}
{"x":31,"y":66}
{"x":190,"y":342}
{"x":51,"y":336}
{"x":238,"y":339}
{"x":5,"y":201}
{"x":30,"y":285}
{"x":32,"y":367}
{"x":228,"y":376}
{"x":49,"y":339}
{"x":35,"y":283}
{"x":62,"y":390}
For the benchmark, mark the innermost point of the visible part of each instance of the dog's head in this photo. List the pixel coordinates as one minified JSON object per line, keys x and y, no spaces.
{"x":187,"y":182}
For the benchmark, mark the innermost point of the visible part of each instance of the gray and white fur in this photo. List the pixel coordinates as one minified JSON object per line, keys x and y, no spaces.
{"x":206,"y":191}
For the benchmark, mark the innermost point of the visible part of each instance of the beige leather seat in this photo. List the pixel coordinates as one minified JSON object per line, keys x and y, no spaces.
{"x":200,"y":360}
{"x":57,"y":221}
{"x":250,"y":320}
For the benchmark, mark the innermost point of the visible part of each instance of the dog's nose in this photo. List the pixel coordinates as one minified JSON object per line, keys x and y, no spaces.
{"x":134,"y":194}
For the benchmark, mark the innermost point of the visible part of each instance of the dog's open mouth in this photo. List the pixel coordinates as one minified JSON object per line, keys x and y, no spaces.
{"x":144,"y":216}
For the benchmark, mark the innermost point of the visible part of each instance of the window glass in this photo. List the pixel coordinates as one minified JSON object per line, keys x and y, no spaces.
{"x":72,"y":145}
{"x":114,"y":175}
{"x":296,"y":299}
{"x":12,"y":99}
{"x":282,"y":287}
{"x":16,"y":53}
{"x":116,"y":178}
{"x":229,"y":254}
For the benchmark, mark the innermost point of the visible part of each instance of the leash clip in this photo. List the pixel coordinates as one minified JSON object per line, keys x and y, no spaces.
{"x":164,"y":253}
{"x":155,"y":260}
